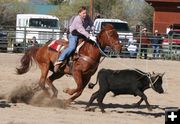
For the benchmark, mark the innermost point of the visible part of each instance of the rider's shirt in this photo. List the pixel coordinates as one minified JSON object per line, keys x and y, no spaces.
{"x":79,"y":24}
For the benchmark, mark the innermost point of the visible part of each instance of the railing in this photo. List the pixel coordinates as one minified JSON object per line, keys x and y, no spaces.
{"x":167,"y":50}
{"x":19,"y":40}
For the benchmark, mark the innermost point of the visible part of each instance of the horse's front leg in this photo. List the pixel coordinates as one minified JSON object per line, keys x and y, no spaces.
{"x":79,"y":81}
{"x":80,"y":87}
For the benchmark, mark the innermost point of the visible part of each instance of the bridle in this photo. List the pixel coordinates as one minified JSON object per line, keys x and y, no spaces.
{"x":107,"y":33}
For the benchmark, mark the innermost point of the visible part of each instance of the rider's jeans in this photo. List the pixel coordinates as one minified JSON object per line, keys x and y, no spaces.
{"x":71,"y":47}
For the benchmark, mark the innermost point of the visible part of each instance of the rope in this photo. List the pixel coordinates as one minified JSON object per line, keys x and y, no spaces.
{"x":148,"y":75}
{"x":101,"y":51}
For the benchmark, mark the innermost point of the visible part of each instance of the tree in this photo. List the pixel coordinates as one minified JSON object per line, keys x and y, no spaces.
{"x":118,"y":10}
{"x":56,"y":2}
{"x":67,"y":9}
{"x":9,"y":9}
{"x":104,"y":7}
{"x":147,"y":16}
{"x":133,"y":11}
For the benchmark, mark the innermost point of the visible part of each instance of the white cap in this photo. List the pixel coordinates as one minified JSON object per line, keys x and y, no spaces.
{"x":144,"y":29}
{"x":156,"y":31}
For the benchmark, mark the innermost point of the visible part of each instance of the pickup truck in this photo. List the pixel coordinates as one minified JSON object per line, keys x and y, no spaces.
{"x":122,"y":28}
{"x":125,"y":35}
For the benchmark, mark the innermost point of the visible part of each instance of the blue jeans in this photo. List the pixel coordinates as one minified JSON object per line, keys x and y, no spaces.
{"x":71,"y":47}
{"x":156,"y":51}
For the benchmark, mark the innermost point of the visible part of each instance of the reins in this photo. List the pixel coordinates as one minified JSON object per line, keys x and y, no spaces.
{"x":100,"y":50}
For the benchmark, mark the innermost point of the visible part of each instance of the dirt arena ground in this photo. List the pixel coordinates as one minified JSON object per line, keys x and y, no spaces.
{"x":118,"y":109}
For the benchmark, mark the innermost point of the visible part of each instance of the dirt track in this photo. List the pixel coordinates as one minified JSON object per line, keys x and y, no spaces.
{"x":118,"y":109}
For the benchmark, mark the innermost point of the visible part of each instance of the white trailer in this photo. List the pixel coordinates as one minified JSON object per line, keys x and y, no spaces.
{"x":36,"y":26}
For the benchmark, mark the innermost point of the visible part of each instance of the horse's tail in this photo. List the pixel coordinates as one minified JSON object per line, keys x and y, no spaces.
{"x":26,"y":60}
{"x":91,"y":85}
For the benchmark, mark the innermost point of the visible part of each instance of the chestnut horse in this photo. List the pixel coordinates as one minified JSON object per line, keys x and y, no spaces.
{"x":84,"y":66}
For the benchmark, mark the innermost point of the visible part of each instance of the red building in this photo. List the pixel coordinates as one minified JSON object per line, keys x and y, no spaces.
{"x":166,"y":13}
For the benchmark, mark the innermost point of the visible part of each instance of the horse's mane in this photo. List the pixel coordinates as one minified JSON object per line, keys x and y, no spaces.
{"x":107,"y":27}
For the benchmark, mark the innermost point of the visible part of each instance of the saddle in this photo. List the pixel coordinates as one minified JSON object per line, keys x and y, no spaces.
{"x":60,"y":45}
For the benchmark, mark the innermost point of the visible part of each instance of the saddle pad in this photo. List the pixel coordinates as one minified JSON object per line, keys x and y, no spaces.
{"x":56,"y":46}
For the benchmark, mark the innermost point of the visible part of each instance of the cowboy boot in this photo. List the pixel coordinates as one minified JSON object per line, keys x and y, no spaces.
{"x":57,"y":65}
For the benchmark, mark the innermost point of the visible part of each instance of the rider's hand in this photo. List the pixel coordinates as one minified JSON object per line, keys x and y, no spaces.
{"x":92,"y":38}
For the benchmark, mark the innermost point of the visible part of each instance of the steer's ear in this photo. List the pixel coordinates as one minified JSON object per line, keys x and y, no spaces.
{"x":162,"y":74}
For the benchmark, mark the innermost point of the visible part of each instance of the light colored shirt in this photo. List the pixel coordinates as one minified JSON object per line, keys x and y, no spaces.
{"x":79,"y":24}
{"x":132,"y":48}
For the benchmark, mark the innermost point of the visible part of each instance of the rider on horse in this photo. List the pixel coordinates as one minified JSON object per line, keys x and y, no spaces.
{"x":77,"y":27}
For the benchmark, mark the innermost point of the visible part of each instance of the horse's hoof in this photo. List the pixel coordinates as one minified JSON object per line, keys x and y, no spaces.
{"x":65,"y":90}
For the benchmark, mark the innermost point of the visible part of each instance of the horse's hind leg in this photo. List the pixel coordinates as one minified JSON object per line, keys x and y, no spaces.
{"x":44,"y":71}
{"x":50,"y":80}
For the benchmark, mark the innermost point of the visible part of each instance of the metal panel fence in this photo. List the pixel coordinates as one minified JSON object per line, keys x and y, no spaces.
{"x":169,"y":48}
{"x":20,"y":40}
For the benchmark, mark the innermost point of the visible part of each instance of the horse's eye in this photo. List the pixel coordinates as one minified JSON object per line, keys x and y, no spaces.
{"x":111,"y":33}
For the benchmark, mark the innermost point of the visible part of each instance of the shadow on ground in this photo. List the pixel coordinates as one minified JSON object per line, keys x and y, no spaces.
{"x":127,"y":106}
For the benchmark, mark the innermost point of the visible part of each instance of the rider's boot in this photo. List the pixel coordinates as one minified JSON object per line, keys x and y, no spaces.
{"x":57,"y":65}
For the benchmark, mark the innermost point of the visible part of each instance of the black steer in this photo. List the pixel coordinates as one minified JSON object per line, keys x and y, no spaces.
{"x":127,"y":81}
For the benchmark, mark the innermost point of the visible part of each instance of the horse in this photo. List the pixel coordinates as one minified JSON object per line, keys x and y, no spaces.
{"x":84,"y":66}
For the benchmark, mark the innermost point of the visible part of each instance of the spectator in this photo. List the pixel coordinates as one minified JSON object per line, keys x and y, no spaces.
{"x":144,"y":41}
{"x":156,"y":41}
{"x":98,"y":15}
{"x":132,"y":49}
{"x":34,"y":41}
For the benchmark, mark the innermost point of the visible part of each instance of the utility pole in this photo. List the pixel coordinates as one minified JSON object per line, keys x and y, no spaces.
{"x":91,"y":9}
